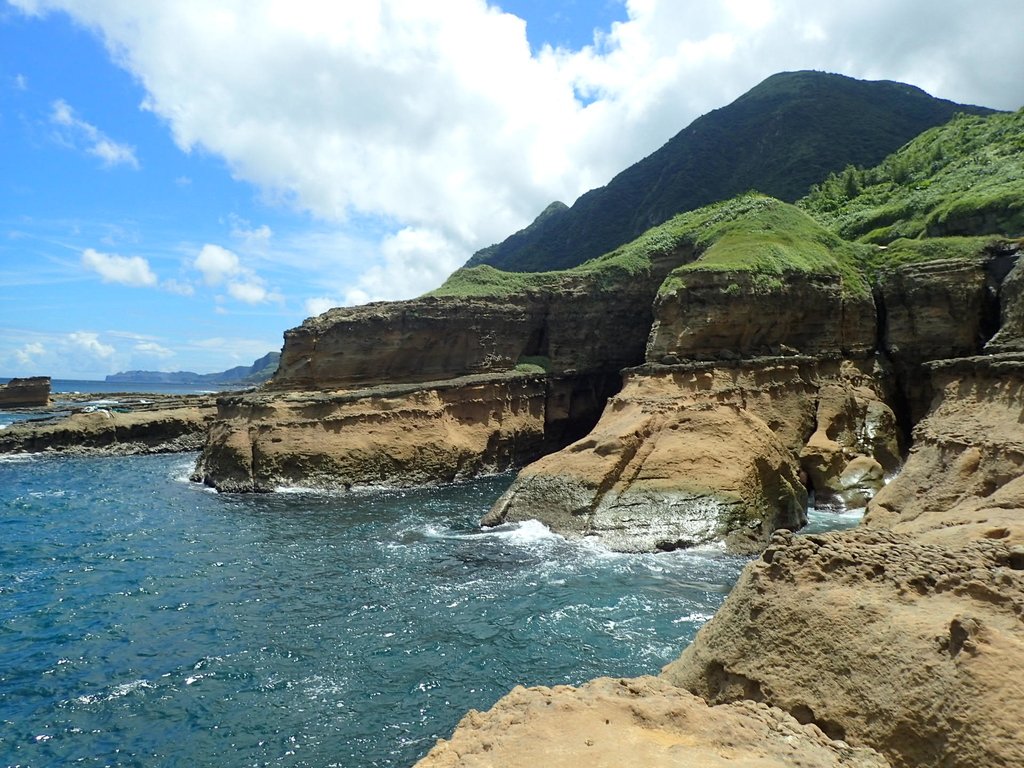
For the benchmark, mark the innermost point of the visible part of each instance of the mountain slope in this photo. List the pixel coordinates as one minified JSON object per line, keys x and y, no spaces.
{"x":779,"y":138}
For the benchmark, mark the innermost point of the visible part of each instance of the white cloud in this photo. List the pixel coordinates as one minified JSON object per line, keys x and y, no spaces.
{"x":251,"y":292}
{"x":152,"y":349}
{"x":29,"y":353}
{"x":317,"y":305}
{"x":217,"y":264}
{"x":88,"y":342}
{"x":80,"y":134}
{"x":126,"y":270}
{"x":20,"y":82}
{"x":438,"y":118}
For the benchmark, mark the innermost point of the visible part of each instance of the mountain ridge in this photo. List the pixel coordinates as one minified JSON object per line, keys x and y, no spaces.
{"x":781,"y":137}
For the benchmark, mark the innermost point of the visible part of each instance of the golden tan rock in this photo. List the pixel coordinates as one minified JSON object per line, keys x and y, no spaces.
{"x":25,"y":392}
{"x":692,"y":454}
{"x":399,"y":436}
{"x":964,"y":477}
{"x":641,"y":722}
{"x":914,"y":649}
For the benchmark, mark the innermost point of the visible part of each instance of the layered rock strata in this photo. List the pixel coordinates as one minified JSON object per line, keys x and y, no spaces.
{"x":964,"y":476}
{"x":583,"y":324}
{"x":171,"y":425}
{"x":691,"y":454}
{"x":395,"y":435}
{"x":743,"y":314}
{"x":638,"y":722}
{"x":25,"y":393}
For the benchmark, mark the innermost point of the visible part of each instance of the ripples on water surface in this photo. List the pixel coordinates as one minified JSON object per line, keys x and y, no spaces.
{"x":146,"y":621}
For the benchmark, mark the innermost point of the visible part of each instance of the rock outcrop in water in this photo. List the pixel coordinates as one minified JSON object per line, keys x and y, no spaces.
{"x":131,"y":424}
{"x":394,"y":435}
{"x":687,"y":455}
{"x":25,"y":393}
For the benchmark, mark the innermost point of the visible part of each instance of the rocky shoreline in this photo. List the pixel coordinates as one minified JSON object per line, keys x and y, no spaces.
{"x":111,"y":424}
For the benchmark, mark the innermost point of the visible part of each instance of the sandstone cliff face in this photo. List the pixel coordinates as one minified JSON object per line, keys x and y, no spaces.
{"x":729,"y":314}
{"x":25,"y":393}
{"x":914,"y":649}
{"x":1010,"y":337}
{"x":581,"y":326}
{"x":965,"y":473}
{"x":397,"y":436}
{"x":638,"y":722}
{"x":937,"y":310}
{"x":689,"y":455}
{"x":908,"y":634}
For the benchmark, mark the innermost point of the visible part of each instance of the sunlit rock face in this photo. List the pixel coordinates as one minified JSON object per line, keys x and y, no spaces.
{"x":688,"y":455}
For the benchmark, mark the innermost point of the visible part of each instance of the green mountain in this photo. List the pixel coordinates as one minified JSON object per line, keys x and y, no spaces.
{"x":261,"y":370}
{"x":949,"y":193}
{"x":780,"y":138}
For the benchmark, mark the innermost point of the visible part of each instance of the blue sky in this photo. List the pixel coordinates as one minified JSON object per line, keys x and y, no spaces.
{"x":182,"y":182}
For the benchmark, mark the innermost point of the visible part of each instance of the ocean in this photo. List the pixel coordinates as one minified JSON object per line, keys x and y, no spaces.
{"x":146,"y":621}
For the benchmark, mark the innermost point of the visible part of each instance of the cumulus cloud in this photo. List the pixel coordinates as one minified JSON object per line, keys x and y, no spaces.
{"x":78,"y":133}
{"x":126,"y":270}
{"x":89,"y":342}
{"x":220,"y":266}
{"x":217,"y":264}
{"x":29,"y":353}
{"x":440,"y":119}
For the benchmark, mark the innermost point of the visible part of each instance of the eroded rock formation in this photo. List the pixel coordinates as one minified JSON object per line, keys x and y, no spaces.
{"x":395,"y":435}
{"x":689,"y":455}
{"x":638,"y":722}
{"x":25,"y":393}
{"x":162,"y":425}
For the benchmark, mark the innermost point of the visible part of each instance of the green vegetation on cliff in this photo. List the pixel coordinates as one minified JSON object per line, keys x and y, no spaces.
{"x":767,"y":238}
{"x":781,"y":137}
{"x":962,"y":178}
{"x":964,"y":181}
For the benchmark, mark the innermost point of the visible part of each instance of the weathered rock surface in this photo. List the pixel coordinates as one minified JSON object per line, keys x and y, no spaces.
{"x":638,"y":722}
{"x":914,"y":649}
{"x":692,"y":454}
{"x":398,"y":435}
{"x":743,"y":314}
{"x":965,"y":473}
{"x":25,"y":393}
{"x":1010,"y":337}
{"x":942,"y":309}
{"x":160,"y":425}
{"x":583,"y":325}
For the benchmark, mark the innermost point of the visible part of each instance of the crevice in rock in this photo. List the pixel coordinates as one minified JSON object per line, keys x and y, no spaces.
{"x":899,"y":402}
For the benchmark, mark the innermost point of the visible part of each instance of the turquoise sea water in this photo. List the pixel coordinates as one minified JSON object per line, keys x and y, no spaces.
{"x":147,"y":621}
